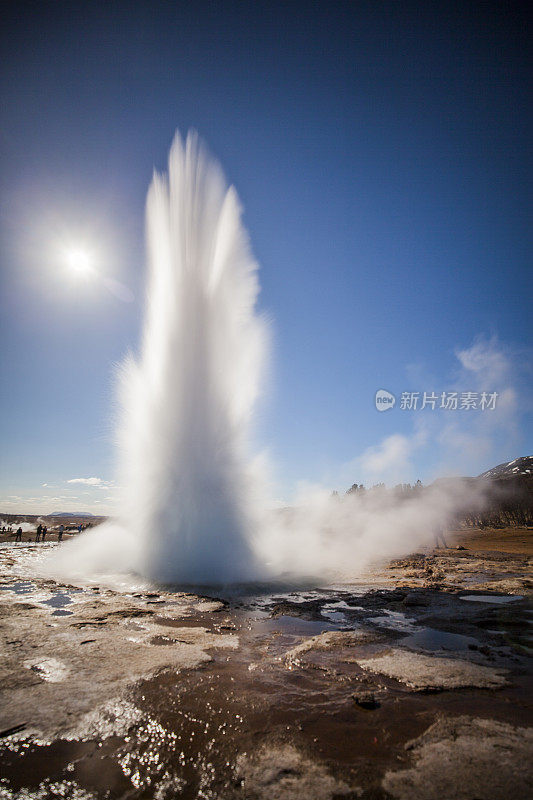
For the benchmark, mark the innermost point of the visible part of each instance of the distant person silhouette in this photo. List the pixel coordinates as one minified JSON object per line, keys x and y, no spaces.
{"x":18,"y":537}
{"x":38,"y":533}
{"x":60,"y":534}
{"x":439,"y":534}
{"x":43,"y":533}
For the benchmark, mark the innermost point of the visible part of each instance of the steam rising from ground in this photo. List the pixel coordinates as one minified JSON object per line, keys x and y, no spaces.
{"x":194,"y":507}
{"x":337,"y":537}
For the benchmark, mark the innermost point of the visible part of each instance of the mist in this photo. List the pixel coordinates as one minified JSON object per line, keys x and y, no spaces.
{"x":337,"y":537}
{"x":195,"y":507}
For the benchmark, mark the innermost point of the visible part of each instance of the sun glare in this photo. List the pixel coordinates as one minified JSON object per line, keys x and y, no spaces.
{"x":79,"y":260}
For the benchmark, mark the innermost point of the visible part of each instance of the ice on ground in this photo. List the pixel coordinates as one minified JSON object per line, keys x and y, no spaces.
{"x":423,"y":672}
{"x":455,"y":760}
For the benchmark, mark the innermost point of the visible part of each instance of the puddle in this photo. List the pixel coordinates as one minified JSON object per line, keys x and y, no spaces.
{"x":335,"y":616}
{"x":432,"y":640}
{"x":134,"y":626}
{"x":296,"y":626}
{"x":59,"y":600}
{"x":344,"y":605}
{"x":491,"y":598}
{"x":395,"y":620}
{"x":161,"y":639}
{"x":20,"y":587}
{"x":50,"y":669}
{"x":325,"y":595}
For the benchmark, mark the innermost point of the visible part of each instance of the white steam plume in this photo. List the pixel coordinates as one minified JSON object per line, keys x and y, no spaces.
{"x":190,"y":502}
{"x":193,"y":507}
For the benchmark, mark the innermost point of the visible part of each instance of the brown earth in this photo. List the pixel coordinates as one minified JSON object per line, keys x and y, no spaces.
{"x":503,"y":540}
{"x":403,"y":690}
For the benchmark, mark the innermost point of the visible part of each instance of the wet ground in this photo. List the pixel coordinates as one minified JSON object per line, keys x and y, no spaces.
{"x":413,"y":682}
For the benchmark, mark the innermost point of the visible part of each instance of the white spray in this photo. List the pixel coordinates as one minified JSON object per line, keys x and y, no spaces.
{"x":188,"y":400}
{"x":193,"y":510}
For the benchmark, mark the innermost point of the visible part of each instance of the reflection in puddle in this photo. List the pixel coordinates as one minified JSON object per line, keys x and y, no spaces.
{"x":161,"y":639}
{"x":59,"y":600}
{"x":296,"y":626}
{"x":49,"y":669}
{"x":20,"y":587}
{"x":491,"y":598}
{"x":396,"y":621}
{"x":431,"y":639}
{"x":335,"y":616}
{"x":335,"y":611}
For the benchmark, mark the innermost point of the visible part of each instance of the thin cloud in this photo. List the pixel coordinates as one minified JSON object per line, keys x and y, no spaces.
{"x":452,"y":442}
{"x":90,"y":482}
{"x":391,"y":459}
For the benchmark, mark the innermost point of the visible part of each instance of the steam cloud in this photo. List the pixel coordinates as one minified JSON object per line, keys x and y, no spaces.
{"x":190,"y":498}
{"x":194,"y":507}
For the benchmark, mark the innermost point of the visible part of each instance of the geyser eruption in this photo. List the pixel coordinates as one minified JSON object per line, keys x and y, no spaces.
{"x":187,"y":402}
{"x":193,"y":509}
{"x":189,"y":499}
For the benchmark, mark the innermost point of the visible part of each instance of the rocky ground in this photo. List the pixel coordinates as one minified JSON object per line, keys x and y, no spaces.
{"x":414,"y":682}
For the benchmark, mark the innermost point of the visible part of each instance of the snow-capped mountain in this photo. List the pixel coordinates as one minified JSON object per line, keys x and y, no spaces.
{"x":79,"y":514}
{"x":520,"y":466}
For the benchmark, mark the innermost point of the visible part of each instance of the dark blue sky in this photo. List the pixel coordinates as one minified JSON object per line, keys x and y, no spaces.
{"x":381,"y":152}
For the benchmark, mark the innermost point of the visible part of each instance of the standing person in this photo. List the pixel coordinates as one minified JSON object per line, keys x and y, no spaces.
{"x":18,"y":537}
{"x":43,"y":532}
{"x":60,"y":534}
{"x":38,"y":533}
{"x":80,"y":528}
{"x":439,"y":534}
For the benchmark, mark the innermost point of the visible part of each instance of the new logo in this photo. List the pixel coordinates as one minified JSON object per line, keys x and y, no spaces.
{"x":384,"y":400}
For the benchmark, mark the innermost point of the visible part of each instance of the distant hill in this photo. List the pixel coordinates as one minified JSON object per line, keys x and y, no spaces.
{"x":498,"y":498}
{"x":511,"y":469}
{"x":78,"y":514}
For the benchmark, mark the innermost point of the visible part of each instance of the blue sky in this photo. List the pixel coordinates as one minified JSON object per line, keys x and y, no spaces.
{"x":380,"y":151}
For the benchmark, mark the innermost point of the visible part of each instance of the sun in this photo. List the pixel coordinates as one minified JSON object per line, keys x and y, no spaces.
{"x":79,"y":260}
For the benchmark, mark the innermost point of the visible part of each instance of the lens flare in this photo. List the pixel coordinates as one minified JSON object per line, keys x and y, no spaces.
{"x":79,"y":260}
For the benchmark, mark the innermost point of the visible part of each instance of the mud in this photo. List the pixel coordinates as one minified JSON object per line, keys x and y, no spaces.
{"x":388,"y":688}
